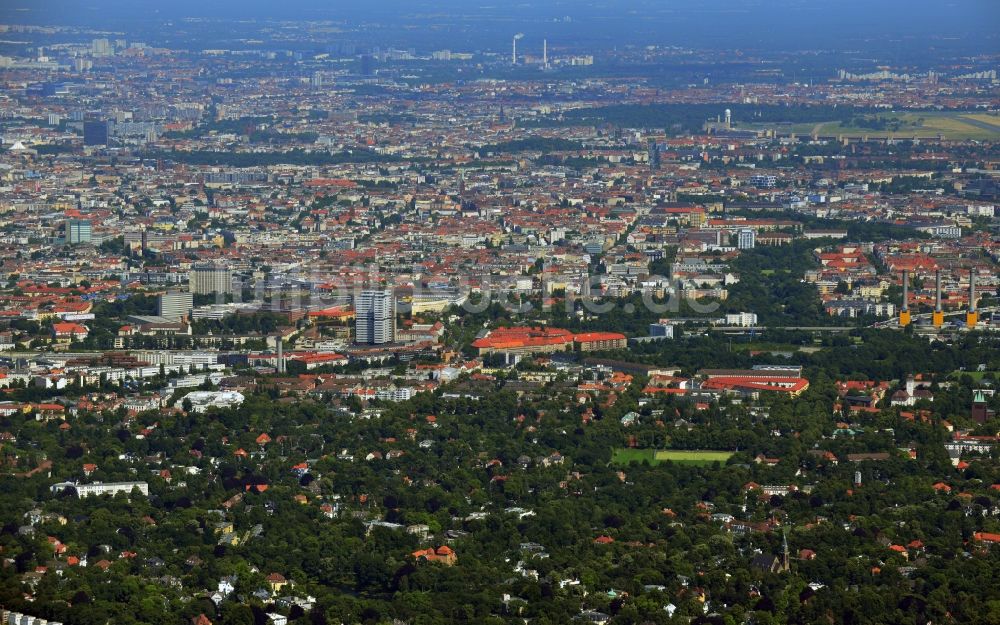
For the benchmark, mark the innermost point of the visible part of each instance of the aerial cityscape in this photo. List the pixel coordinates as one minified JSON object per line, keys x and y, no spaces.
{"x":432,"y":313}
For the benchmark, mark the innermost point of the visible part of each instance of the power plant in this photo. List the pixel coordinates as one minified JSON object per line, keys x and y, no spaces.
{"x":938,"y":317}
{"x":513,"y":54}
{"x":904,"y":312}
{"x":972,"y":317}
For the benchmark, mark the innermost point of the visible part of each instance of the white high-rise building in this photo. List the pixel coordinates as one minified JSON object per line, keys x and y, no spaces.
{"x":741,"y":319}
{"x":101,"y":47}
{"x":175,"y":304}
{"x":375,"y":317}
{"x":746,"y":238}
{"x":207,"y":279}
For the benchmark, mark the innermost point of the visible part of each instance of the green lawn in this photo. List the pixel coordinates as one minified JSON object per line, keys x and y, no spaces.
{"x":626,"y":456}
{"x":924,"y":124}
{"x":654,"y":457}
{"x":975,"y":375}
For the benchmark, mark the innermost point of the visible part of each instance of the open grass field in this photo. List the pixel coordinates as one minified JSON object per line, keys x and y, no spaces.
{"x":982,"y":118}
{"x":975,"y":375}
{"x":682,"y":456}
{"x":956,"y":125}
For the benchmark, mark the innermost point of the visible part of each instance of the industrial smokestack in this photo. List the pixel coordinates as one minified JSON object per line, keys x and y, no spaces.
{"x":972,"y":317}
{"x":938,"y":317}
{"x":904,"y":313}
{"x":513,"y":55}
{"x":972,"y":291}
{"x":937,"y":291}
{"x":906,"y":290}
{"x":545,"y":53}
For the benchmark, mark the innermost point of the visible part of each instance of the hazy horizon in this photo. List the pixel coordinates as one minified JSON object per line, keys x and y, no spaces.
{"x":893,"y":26}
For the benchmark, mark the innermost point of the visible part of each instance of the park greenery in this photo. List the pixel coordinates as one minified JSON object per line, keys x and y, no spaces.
{"x":497,"y":472}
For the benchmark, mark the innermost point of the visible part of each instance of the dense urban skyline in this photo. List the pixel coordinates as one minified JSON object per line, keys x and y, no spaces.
{"x":435,"y":313}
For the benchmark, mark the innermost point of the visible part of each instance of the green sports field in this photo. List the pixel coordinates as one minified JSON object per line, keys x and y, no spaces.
{"x":700,"y":457}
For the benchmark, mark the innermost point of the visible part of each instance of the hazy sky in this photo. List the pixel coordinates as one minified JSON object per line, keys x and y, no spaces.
{"x":974,"y":24}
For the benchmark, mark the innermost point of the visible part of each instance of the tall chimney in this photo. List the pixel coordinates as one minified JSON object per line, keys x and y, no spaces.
{"x":545,"y":53}
{"x":281,"y":355}
{"x":972,"y":317}
{"x":938,"y":317}
{"x":906,"y":290}
{"x":972,"y":291}
{"x":937,"y":291}
{"x":904,"y":312}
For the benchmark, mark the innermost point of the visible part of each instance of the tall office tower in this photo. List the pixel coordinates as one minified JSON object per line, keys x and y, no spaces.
{"x":95,"y":133}
{"x":375,"y":317}
{"x":174,"y":305}
{"x":746,"y":238}
{"x":653,"y":155}
{"x":208,"y":279}
{"x":77,"y":231}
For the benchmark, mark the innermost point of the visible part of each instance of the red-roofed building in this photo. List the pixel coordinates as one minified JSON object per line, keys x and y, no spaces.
{"x":523,"y":340}
{"x":750,"y":384}
{"x":599,"y":341}
{"x":313,"y":360}
{"x":443,"y":554}
{"x":986,"y":537}
{"x":72,"y":331}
